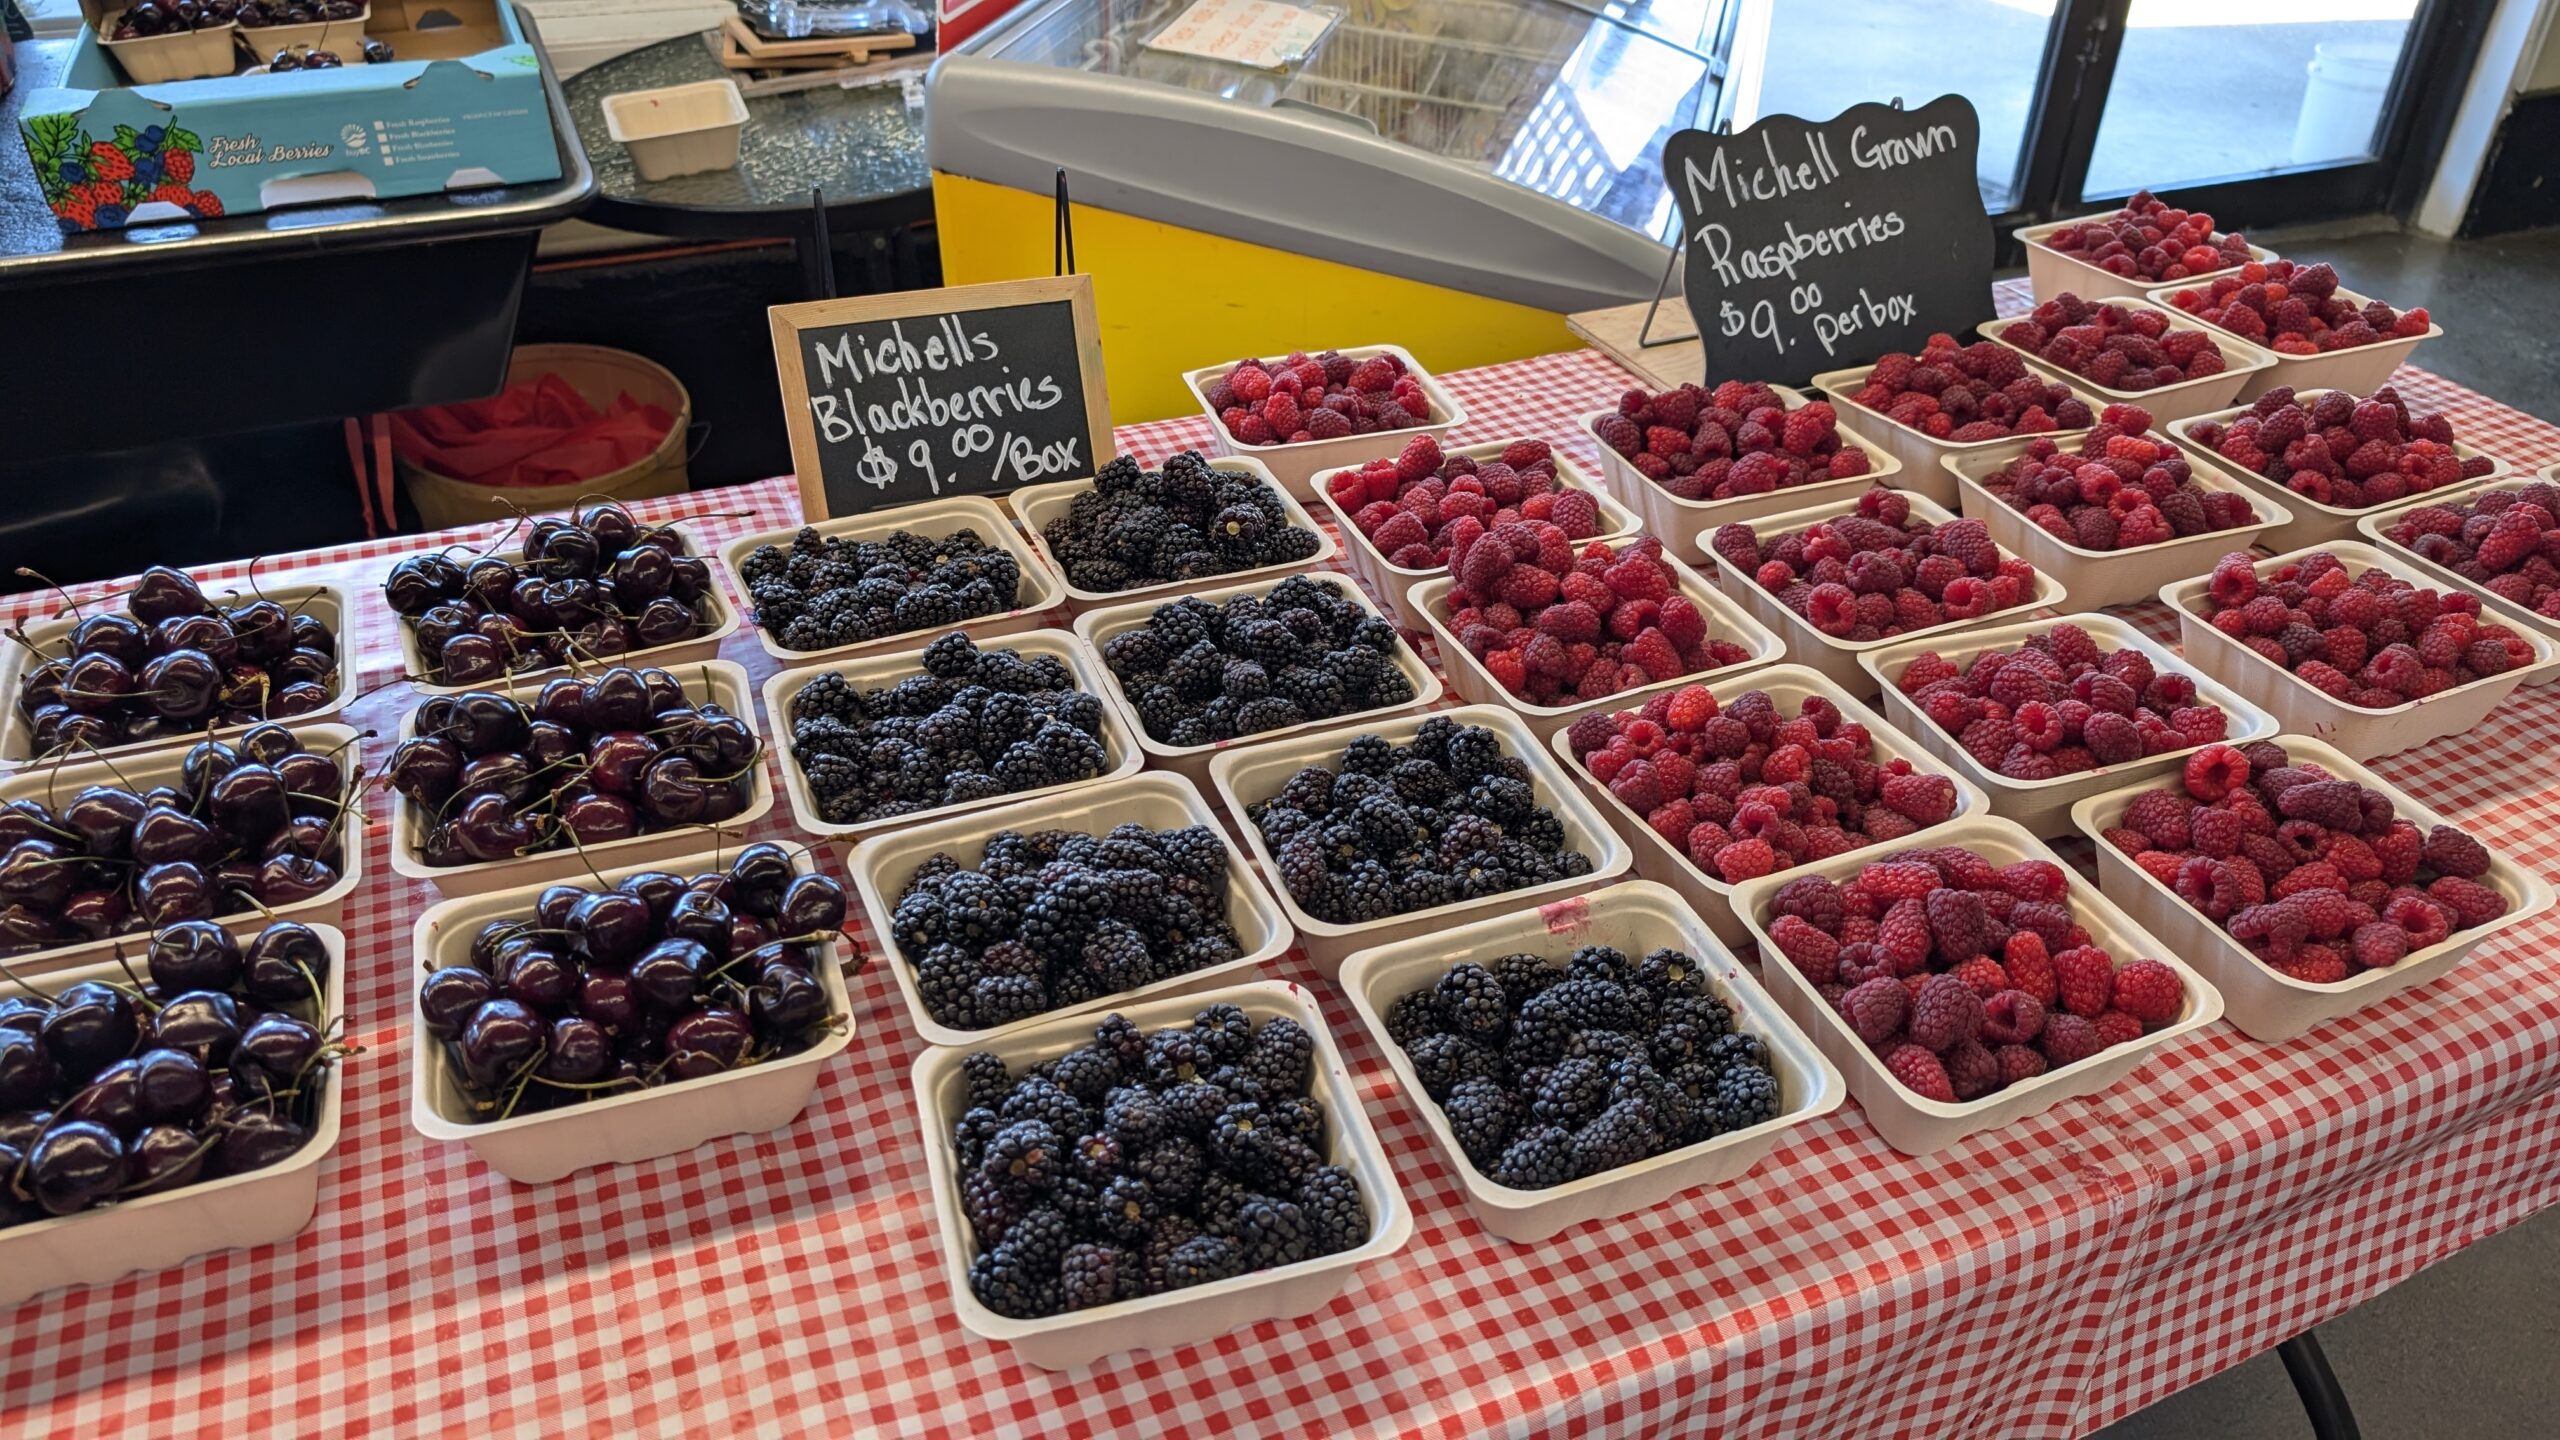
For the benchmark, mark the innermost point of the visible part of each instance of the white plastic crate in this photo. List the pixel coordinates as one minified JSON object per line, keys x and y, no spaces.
{"x":881,"y":866}
{"x":540,"y":1147}
{"x":2302,"y":710}
{"x":1663,"y":862}
{"x":156,"y":1232}
{"x":1175,"y":1318}
{"x":1915,"y":1124}
{"x":2313,"y":522}
{"x":1835,"y":658}
{"x":2264,"y":1003}
{"x":2100,"y":578}
{"x":2360,"y":369}
{"x":1637,"y":917}
{"x":1119,"y":743}
{"x":2043,"y":807}
{"x":1296,"y":465}
{"x":1096,"y":627}
{"x":1038,"y":505}
{"x":718,"y":681}
{"x":325,"y":603}
{"x":1245,"y":776}
{"x":1040,"y":590}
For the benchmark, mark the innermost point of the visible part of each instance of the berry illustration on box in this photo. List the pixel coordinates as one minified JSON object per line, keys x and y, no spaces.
{"x":137,"y":177}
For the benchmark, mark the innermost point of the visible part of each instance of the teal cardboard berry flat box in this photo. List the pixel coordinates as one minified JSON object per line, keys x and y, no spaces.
{"x":461,"y":106}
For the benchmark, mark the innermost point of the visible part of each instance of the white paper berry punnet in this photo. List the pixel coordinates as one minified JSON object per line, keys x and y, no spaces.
{"x":2376,"y":526}
{"x":1835,"y":658}
{"x":1677,"y":522}
{"x":1637,"y":917}
{"x":2312,"y":522}
{"x":2051,"y":271}
{"x":2043,"y":807}
{"x":2303,"y":710}
{"x":1394,"y":585}
{"x":1175,"y":1318}
{"x":1788,"y":686}
{"x":1038,"y":505}
{"x":2195,"y":396}
{"x":2360,"y":368}
{"x":1295,"y":466}
{"x":2263,"y":1002}
{"x":1039,"y":590}
{"x":718,"y":613}
{"x":1915,"y":1124}
{"x":2099,"y":578}
{"x":1916,"y":451}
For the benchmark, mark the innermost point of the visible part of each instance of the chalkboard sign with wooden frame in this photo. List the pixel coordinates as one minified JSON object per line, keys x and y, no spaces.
{"x":971,"y":390}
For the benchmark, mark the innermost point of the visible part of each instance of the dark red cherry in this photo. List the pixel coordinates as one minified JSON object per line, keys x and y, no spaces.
{"x":312,"y":783}
{"x":812,"y":904}
{"x":487,"y":829}
{"x":418,"y":583}
{"x":568,"y":553}
{"x":164,"y":1158}
{"x":234,"y":882}
{"x":210,"y":634}
{"x":608,"y":1000}
{"x":485,"y":721}
{"x":75,"y":1165}
{"x":285,"y":963}
{"x":164,"y":835}
{"x":580,"y":1052}
{"x":291,"y":879}
{"x":529,"y":600}
{"x":552,"y":747}
{"x":708,"y":1041}
{"x":785,"y":1002}
{"x":203,"y":1023}
{"x":470,"y":659}
{"x":26,"y":1070}
{"x":248,"y":802}
{"x":304,"y":667}
{"x":540,"y":977}
{"x":95,"y":914}
{"x":689,"y":579}
{"x":448,"y":998}
{"x":664,"y":621}
{"x":618,"y":699}
{"x":265,"y":744}
{"x":665,"y":975}
{"x":310,"y":632}
{"x":175,"y":891}
{"x":171,"y":1086}
{"x":180,"y":684}
{"x":616,"y":758}
{"x":674,"y":791}
{"x":701,"y":918}
{"x":425,"y":769}
{"x":309,"y":837}
{"x":563,"y":702}
{"x":641,"y":574}
{"x":37,"y":873}
{"x":273,"y":1053}
{"x":599,"y":639}
{"x":255,"y":1139}
{"x":193,"y":955}
{"x":262,"y":629}
{"x":161,"y":592}
{"x":491,"y":941}
{"x":24,"y":929}
{"x":501,"y":1038}
{"x":442,"y":625}
{"x":760,"y":874}
{"x":489,"y":582}
{"x":30,"y":820}
{"x":20,"y":1129}
{"x":657,"y":888}
{"x":109,"y":633}
{"x":96,"y":682}
{"x":665,"y":691}
{"x":113,"y":1098}
{"x":91,"y":1027}
{"x":504,"y":773}
{"x":748,"y":933}
{"x":610,"y":524}
{"x":551,"y":908}
{"x":302,"y":697}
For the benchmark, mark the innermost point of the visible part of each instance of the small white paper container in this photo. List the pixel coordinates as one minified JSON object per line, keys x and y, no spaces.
{"x":2376,"y":525}
{"x":1679,"y":522}
{"x":1664,"y":863}
{"x":2302,"y":710}
{"x":326,"y":603}
{"x":2052,"y":272}
{"x":1915,"y":1124}
{"x":2361,"y":369}
{"x":1835,"y":658}
{"x":2314,"y":522}
{"x":678,"y":129}
{"x":1295,"y":466}
{"x":1175,"y":1318}
{"x":1096,"y":627}
{"x":2241,"y":361}
{"x":881,"y":866}
{"x":714,"y":608}
{"x":1636,"y":917}
{"x":49,"y":782}
{"x":870,"y":671}
{"x":618,"y":1129}
{"x":720,"y":681}
{"x":157,"y":1232}
{"x":2043,"y":807}
{"x":2265,"y":1004}
{"x":1917,"y":451}
{"x":1040,"y":504}
{"x":1245,"y":776}
{"x":1040,"y":589}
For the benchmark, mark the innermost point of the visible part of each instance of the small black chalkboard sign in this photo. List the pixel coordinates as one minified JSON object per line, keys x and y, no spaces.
{"x":972,"y":390}
{"x":1812,"y":247}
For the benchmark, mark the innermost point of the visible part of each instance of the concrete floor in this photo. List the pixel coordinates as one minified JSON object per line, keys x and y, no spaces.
{"x":2466,"y":1348}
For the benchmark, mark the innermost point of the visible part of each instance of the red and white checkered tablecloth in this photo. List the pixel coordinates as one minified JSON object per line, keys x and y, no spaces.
{"x":2039,"y":1281}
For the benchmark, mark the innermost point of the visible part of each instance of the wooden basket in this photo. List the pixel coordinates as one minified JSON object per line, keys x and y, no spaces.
{"x":599,"y":374}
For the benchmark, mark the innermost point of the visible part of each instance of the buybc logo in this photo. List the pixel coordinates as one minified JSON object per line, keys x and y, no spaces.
{"x":353,"y":137}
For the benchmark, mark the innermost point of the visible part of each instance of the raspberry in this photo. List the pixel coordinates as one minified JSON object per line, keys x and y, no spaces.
{"x":2085,"y":979}
{"x":1815,"y":954}
{"x":2018,"y":1063}
{"x":1958,"y":923}
{"x":2034,"y":880}
{"x":2215,"y":771}
{"x":1903,"y":936}
{"x":2011,"y":1017}
{"x":2030,"y":968}
{"x":1814,"y":898}
{"x":1875,"y":1008}
{"x":2150,"y":992}
{"x":1746,"y":860}
{"x":2426,"y":922}
{"x":1923,"y":799}
{"x":2315,"y":965}
{"x":1921,"y":1072}
{"x":1639,"y":578}
{"x":2067,"y":1038}
{"x":2449,"y":851}
{"x":2162,"y":816}
{"x":2117,"y":1028}
{"x":1570,"y":621}
{"x":2336,"y":804}
{"x":2471,"y":902}
{"x":1890,"y":880}
{"x":1983,"y":975}
{"x":1971,"y":1071}
{"x":2378,"y":945}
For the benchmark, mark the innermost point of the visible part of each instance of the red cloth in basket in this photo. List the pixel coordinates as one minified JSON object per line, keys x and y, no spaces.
{"x":542,"y":432}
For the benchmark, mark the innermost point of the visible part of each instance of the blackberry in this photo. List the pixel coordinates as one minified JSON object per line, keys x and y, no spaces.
{"x":1738,"y":1048}
{"x":1195,"y":850}
{"x":1274,"y":1232}
{"x":1134,"y":1117}
{"x":1605,"y":1045}
{"x":1473,"y":1002}
{"x":830,"y":695}
{"x":1369,"y":755}
{"x":1622,"y":1135}
{"x":1177,"y":1056}
{"x":1025,"y":1154}
{"x":1745,"y":1095}
{"x":1093,"y":1275}
{"x":989,"y":1080}
{"x":1098,"y":1158}
{"x":1004,"y":1283}
{"x":1120,"y":1035}
{"x":970,"y":1133}
{"x":1337,"y":1218}
{"x":1172,"y":1168}
{"x":1710,"y":1017}
{"x":1202,"y":1261}
{"x":1194,"y":1107}
{"x":1441,"y":1061}
{"x":1004,"y":999}
{"x":1271,"y":712}
{"x":1366,"y":892}
{"x":1473,"y":753}
{"x":947,"y":979}
{"x":1582,"y":1005}
{"x":1041,"y":1098}
{"x":1599,"y":962}
{"x":1224,"y":1029}
{"x":1413,"y":1016}
{"x":1523,"y":975}
{"x":1088,"y":1072}
{"x":1577,"y":1089}
{"x":991,"y":1206}
{"x":1419,"y":782}
{"x":1539,"y":1157}
{"x":1669,"y":972}
{"x":1127,"y":1209}
{"x":1480,"y":1114}
{"x":1303,"y":1116}
{"x":1041,"y":1238}
{"x":1281,"y":1054}
{"x":1666,"y":1107}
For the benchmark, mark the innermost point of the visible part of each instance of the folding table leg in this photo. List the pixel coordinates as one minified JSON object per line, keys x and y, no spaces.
{"x":2331,"y":1417}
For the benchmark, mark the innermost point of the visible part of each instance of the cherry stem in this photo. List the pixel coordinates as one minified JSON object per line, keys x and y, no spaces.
{"x":68,"y":604}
